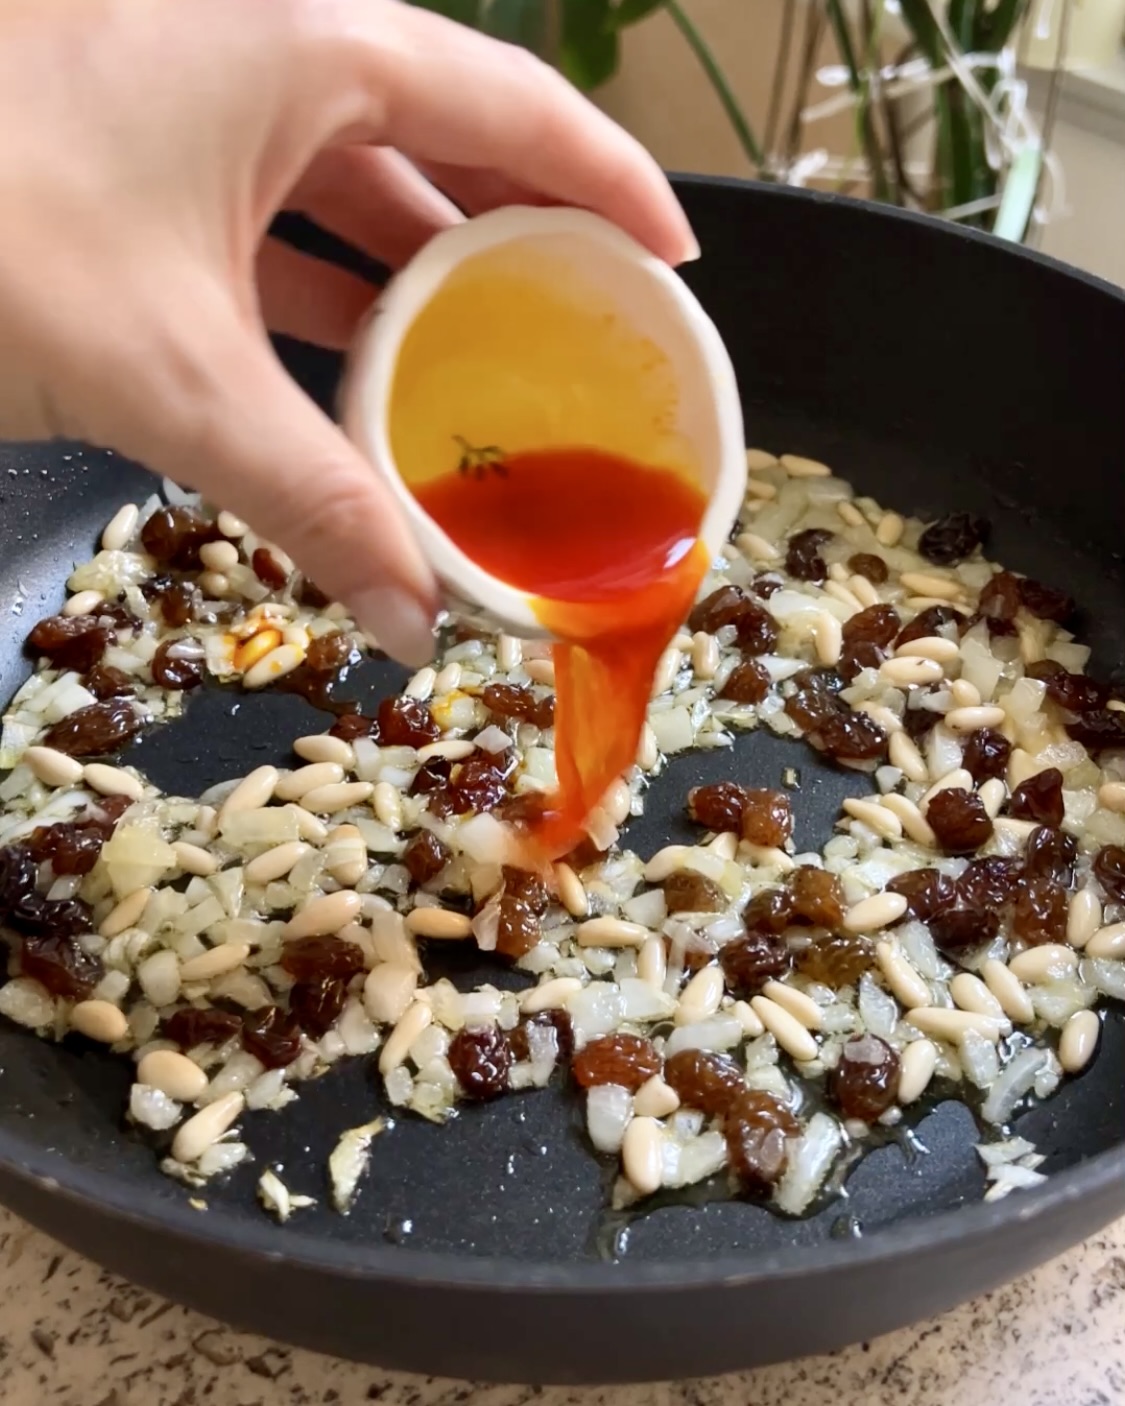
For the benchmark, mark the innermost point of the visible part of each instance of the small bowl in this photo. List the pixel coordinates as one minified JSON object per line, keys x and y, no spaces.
{"x":532,"y":328}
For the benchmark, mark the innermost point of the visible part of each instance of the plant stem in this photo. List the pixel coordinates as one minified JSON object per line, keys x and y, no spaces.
{"x":717,"y":78}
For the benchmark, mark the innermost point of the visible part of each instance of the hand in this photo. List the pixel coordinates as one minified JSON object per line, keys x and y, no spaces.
{"x":145,"y":146}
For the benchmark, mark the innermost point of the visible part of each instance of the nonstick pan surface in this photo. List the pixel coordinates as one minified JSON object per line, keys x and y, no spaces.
{"x":937,"y":370}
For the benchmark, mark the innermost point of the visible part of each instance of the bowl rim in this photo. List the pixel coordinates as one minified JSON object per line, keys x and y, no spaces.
{"x":99,"y":1193}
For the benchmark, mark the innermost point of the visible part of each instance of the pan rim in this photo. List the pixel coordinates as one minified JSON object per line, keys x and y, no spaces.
{"x":103,"y":1194}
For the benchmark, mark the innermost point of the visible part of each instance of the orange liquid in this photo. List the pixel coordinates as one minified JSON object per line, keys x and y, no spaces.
{"x":610,"y":549}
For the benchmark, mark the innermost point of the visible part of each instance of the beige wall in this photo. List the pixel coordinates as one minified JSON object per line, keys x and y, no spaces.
{"x":661,"y":95}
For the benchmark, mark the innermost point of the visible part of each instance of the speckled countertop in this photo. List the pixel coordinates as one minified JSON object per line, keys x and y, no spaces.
{"x":73,"y":1336}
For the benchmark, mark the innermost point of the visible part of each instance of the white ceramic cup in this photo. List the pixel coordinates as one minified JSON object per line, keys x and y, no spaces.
{"x":640,"y":291}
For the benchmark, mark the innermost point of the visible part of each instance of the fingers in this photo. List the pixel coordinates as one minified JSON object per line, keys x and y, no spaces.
{"x":478,"y":191}
{"x":375,"y":199}
{"x":442,"y":93}
{"x":306,"y":298}
{"x":235,"y":426}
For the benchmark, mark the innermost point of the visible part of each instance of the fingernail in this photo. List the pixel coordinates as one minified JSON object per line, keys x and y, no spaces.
{"x":401,"y":624}
{"x":692,"y":251}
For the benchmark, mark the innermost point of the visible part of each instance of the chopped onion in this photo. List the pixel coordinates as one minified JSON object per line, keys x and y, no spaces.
{"x":609,"y":1108}
{"x":349,"y":1160}
{"x":1014,"y":1081}
{"x":810,"y":1160}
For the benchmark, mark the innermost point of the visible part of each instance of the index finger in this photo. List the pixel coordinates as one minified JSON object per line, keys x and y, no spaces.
{"x":443,"y":93}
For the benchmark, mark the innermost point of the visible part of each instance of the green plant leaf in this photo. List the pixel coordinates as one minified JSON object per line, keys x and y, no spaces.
{"x":588,"y":45}
{"x":522,"y":22}
{"x":630,"y":11}
{"x":463,"y":11}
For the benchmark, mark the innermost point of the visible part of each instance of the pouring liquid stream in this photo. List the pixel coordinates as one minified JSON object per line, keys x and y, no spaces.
{"x":609,"y":549}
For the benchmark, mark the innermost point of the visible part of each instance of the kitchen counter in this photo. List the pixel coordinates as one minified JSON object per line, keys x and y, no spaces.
{"x":73,"y":1336}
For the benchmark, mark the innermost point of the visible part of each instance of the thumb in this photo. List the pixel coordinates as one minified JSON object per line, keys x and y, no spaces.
{"x":265,"y":451}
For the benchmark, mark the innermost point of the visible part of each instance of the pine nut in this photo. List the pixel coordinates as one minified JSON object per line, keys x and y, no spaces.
{"x":417,"y":1017}
{"x":648,"y":754}
{"x":758,"y":459}
{"x":704,"y":655}
{"x":905,"y":984}
{"x":701,"y":996}
{"x":878,"y":911}
{"x":665,"y":862}
{"x":1084,"y":917}
{"x":455,"y":749}
{"x":797,"y":466}
{"x":904,"y":672}
{"x":956,"y":780}
{"x":973,"y":719}
{"x":1009,"y":991}
{"x":346,"y":856}
{"x":307,"y":778}
{"x":922,"y":583}
{"x":668,"y":666}
{"x":916,"y":1069}
{"x":251,"y":793}
{"x":652,"y":962}
{"x":1107,"y":942}
{"x":875,"y":816}
{"x":1111,"y":795}
{"x":611,"y":932}
{"x":540,"y":670}
{"x":112,"y":781}
{"x":388,"y":990}
{"x":756,"y":548}
{"x":993,"y":793}
{"x":342,"y":795}
{"x":786,"y":1029}
{"x":192,"y":859}
{"x":1078,"y":1041}
{"x":387,"y":805}
{"x":799,"y":1006}
{"x":173,"y":1074}
{"x":550,"y":996}
{"x":655,"y":1099}
{"x":572,"y":894}
{"x":120,"y":528}
{"x":255,"y":649}
{"x":642,"y":1158}
{"x":83,"y":603}
{"x":966,"y":695}
{"x":952,"y":1026}
{"x":310,"y":829}
{"x":913,"y":822}
{"x":930,"y":647}
{"x":421,"y":686}
{"x":206,"y":1127}
{"x":126,"y":914}
{"x":437,"y":922}
{"x":448,"y":679}
{"x":274,"y":863}
{"x":971,"y":994}
{"x":1046,"y":963}
{"x":839,"y":591}
{"x":509,"y":653}
{"x":231,"y":526}
{"x":850,"y":513}
{"x":217,"y":961}
{"x":760,"y":488}
{"x":324,"y":915}
{"x":888,"y":720}
{"x":276,"y":664}
{"x":863,"y":590}
{"x":746,"y":1016}
{"x":323,"y":747}
{"x":99,"y":1020}
{"x":218,"y":556}
{"x":889,"y":531}
{"x":828,"y":638}
{"x":53,"y":768}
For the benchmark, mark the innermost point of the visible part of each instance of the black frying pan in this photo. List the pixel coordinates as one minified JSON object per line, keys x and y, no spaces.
{"x":936,"y":369}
